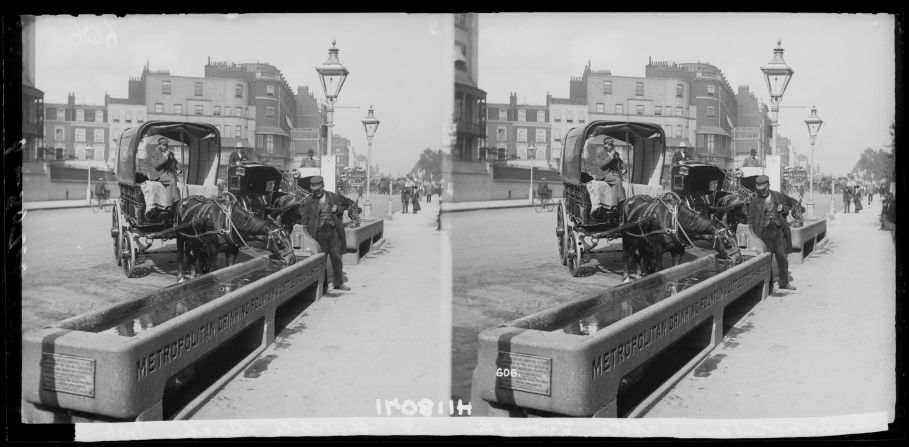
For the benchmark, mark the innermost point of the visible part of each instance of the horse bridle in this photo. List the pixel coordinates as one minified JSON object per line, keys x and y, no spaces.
{"x":229,"y":228}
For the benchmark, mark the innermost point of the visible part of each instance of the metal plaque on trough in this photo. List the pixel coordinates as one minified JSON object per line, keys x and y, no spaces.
{"x":68,"y":374}
{"x":521,"y":372}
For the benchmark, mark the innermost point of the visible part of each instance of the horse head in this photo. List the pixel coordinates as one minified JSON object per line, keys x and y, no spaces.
{"x":724,"y":242}
{"x":726,"y":245}
{"x":278,"y":242}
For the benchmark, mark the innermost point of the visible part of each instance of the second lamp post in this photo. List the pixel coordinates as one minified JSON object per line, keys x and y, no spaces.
{"x":370,"y":123}
{"x":814,"y":125}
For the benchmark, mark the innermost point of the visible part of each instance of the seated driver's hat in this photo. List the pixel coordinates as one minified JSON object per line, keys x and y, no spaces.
{"x":162,"y":140}
{"x":762,"y":180}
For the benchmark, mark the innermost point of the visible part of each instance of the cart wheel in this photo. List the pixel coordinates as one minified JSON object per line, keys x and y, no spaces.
{"x":129,"y":254}
{"x":115,"y":235}
{"x":560,"y":234}
{"x":574,"y":254}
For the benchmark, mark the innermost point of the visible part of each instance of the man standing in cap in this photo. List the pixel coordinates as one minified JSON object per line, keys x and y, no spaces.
{"x":752,"y":161}
{"x":238,"y":155}
{"x":321,"y":221}
{"x":682,"y":155}
{"x":165,"y":170}
{"x":766,"y":217}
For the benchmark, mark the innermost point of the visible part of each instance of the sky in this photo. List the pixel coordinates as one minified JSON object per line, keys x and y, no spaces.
{"x":843,"y":63}
{"x":399,"y":63}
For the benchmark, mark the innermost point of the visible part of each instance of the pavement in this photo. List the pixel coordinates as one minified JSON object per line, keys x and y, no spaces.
{"x":825,"y":349}
{"x":55,"y":204}
{"x":388,"y":338}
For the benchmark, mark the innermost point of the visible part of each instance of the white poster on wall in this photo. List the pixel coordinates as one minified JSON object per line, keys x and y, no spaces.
{"x":774,"y":171}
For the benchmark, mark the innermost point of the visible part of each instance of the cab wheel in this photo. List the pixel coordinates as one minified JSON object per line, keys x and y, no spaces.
{"x":574,"y":254}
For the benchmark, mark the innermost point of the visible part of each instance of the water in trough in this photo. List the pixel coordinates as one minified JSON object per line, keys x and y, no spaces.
{"x":605,"y":314}
{"x":191,"y":298}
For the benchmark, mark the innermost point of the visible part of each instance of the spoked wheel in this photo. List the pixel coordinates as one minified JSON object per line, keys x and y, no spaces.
{"x":128,"y":252}
{"x":574,"y":254}
{"x":115,"y":235}
{"x":96,"y":204}
{"x":550,"y":205}
{"x":537,"y":204}
{"x":107,"y":205}
{"x":560,"y":234}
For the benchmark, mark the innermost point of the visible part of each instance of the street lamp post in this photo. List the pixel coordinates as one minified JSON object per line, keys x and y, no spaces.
{"x":370,"y":123}
{"x":532,"y":155}
{"x":777,"y":74}
{"x":814,"y":125}
{"x":332,"y":74}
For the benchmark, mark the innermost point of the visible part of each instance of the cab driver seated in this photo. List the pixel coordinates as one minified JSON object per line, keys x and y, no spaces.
{"x":606,"y":190}
{"x":161,"y":191}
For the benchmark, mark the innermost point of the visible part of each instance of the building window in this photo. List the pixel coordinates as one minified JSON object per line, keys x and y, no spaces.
{"x":270,"y":90}
{"x":99,"y":116}
{"x":58,"y":133}
{"x":216,"y":110}
{"x":557,"y":116}
{"x":165,"y":87}
{"x":80,"y":135}
{"x":668,"y":111}
{"x":140,"y":117}
{"x":711,"y":90}
{"x":710,"y":143}
{"x":269,"y":112}
{"x":522,"y":135}
{"x":638,"y":89}
{"x":503,"y":115}
{"x":238,"y":90}
{"x":159,"y":108}
{"x":569,"y":117}
{"x":197,"y":89}
{"x":639,"y":109}
{"x":541,"y":116}
{"x":710,"y":113}
{"x":61,"y":115}
{"x":115,"y":116}
{"x":178,"y":109}
{"x":657,"y":110}
{"x":678,"y":131}
{"x":607,"y":87}
{"x":80,"y":115}
{"x":99,"y":135}
{"x":541,"y":135}
{"x":500,"y":133}
{"x":581,"y":118}
{"x":237,"y":131}
{"x":522,"y":115}
{"x":619,"y":108}
{"x":226,"y":111}
{"x":678,"y":111}
{"x":270,"y":144}
{"x":128,"y":117}
{"x":198,"y":109}
{"x":679,"y":90}
{"x":227,"y":133}
{"x":238,"y":111}
{"x":601,"y":108}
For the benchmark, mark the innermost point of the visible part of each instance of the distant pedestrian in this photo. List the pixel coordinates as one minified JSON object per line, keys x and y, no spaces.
{"x":428,"y":192}
{"x":416,"y":200}
{"x":405,"y":199}
{"x":857,"y":199}
{"x":847,"y":199}
{"x":870,"y":192}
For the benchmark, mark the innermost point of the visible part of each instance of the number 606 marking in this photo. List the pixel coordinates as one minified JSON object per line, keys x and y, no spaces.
{"x":505,"y":372}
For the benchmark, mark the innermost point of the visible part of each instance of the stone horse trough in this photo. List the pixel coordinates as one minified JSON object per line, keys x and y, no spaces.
{"x":161,"y":356}
{"x":362,"y":239}
{"x":617,"y":353}
{"x":810,"y":236}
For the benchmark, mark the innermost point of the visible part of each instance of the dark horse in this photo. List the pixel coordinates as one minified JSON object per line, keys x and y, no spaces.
{"x":218,"y":226}
{"x":673,"y":226}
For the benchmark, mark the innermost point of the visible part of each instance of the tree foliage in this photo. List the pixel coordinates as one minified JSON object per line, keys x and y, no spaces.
{"x":430,"y":162}
{"x":879,"y":163}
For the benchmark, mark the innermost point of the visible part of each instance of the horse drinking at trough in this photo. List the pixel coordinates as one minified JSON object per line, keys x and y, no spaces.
{"x":218,"y":226}
{"x":667,"y":224}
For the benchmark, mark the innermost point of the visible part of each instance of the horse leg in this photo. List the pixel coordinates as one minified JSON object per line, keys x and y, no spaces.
{"x":180,"y":253}
{"x":212,"y":253}
{"x":231,"y":255}
{"x":627,"y":247}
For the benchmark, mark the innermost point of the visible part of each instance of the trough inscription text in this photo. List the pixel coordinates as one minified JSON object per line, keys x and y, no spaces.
{"x":68,"y":374}
{"x":533,"y":374}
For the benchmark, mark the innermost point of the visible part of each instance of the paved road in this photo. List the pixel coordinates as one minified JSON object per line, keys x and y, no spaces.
{"x":506,"y":265}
